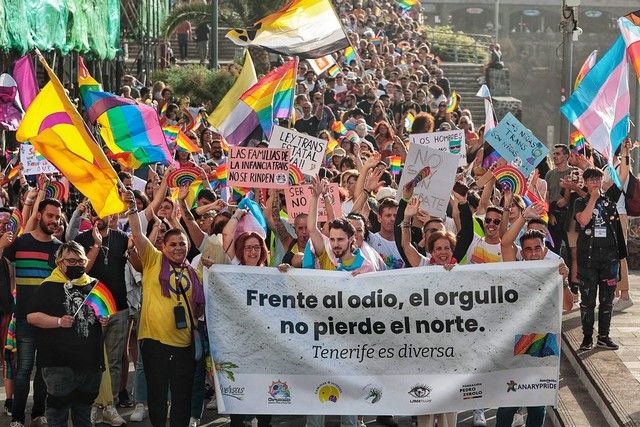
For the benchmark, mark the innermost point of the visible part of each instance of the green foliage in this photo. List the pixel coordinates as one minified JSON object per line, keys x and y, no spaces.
{"x":202,"y":85}
{"x":455,"y":46}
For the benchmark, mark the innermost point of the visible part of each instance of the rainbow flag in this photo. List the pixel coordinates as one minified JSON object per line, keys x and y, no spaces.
{"x":55,"y":128}
{"x":377,"y":41}
{"x":184,"y":143}
{"x":630,"y":29}
{"x":588,"y":65}
{"x":171,"y":133}
{"x":101,"y":300}
{"x":350,"y":55}
{"x":395,"y":163}
{"x":537,"y":345}
{"x":125,"y":126}
{"x":576,"y":141}
{"x":334,"y":70}
{"x":339,"y":127}
{"x":453,"y":102}
{"x":272,"y":97}
{"x":530,"y":199}
{"x":407,"y":4}
{"x":220,"y":175}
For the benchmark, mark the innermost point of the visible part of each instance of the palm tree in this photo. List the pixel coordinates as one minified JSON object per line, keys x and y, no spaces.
{"x":232,"y":13}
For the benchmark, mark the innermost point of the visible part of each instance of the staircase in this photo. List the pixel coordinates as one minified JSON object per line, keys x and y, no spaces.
{"x":466,"y":79}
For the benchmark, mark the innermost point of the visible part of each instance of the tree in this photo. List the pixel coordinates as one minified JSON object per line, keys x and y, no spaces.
{"x":231,"y":13}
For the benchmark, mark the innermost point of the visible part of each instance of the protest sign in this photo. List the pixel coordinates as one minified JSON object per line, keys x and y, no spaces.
{"x":307,"y":152}
{"x":451,"y":141}
{"x":298,"y":197}
{"x":517,"y":144}
{"x":405,"y":342}
{"x":34,"y":163}
{"x":434,"y":190}
{"x":258,"y":167}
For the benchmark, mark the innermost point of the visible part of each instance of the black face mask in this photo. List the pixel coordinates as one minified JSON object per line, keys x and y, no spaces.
{"x":74,"y":271}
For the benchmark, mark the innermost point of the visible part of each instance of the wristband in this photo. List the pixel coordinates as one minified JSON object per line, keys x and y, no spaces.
{"x":59,"y":322}
{"x":132,"y":211}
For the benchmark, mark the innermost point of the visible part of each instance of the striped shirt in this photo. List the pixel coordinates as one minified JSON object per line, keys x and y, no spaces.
{"x":33,"y":261}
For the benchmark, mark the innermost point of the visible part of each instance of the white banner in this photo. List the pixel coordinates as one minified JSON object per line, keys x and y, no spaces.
{"x":403,"y":342}
{"x":34,"y":163}
{"x":451,"y":141}
{"x":307,"y":152}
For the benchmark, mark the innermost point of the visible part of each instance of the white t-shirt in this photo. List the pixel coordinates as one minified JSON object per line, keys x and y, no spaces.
{"x":340,"y":88}
{"x":481,"y":252}
{"x":387,"y":250}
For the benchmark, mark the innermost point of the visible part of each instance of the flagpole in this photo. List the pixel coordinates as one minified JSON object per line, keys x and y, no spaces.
{"x":85,"y":300}
{"x":293,"y":95}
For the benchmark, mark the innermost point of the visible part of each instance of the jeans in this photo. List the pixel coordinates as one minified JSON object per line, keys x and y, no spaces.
{"x":197,"y":398}
{"x":535,"y":416}
{"x":115,"y":341}
{"x":26,"y":340}
{"x":183,"y":45}
{"x":167,"y":367}
{"x":345,"y":421}
{"x":598,"y":275}
{"x":70,"y":389}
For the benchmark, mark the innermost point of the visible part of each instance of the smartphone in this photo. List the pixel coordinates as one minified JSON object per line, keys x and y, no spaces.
{"x":460,"y":188}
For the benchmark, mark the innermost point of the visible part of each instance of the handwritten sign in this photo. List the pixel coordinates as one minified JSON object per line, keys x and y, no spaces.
{"x":298,"y":201}
{"x":258,"y":167}
{"x":307,"y":152}
{"x":434,"y":190}
{"x":33,"y":162}
{"x":517,"y":144}
{"x":451,"y":141}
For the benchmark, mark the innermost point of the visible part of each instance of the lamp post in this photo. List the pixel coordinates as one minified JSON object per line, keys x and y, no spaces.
{"x":213,"y":52}
{"x":496,"y":19}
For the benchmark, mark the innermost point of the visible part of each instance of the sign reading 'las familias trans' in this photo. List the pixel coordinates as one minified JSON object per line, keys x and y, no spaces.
{"x":405,"y":342}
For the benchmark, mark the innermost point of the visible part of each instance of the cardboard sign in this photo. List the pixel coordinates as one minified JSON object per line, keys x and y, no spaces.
{"x":33,"y":163}
{"x":298,"y":201}
{"x":451,"y":141}
{"x":258,"y":167}
{"x":517,"y":144}
{"x":433,"y":190}
{"x":307,"y":152}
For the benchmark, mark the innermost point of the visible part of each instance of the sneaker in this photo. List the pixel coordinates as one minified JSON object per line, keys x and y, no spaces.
{"x":605,"y":342}
{"x":39,"y":421}
{"x":96,"y":415}
{"x":16,"y":424}
{"x":123,"y":400}
{"x":622,"y":304}
{"x":361,"y":422}
{"x":518,"y":420}
{"x":138,"y":414}
{"x":478,"y":418}
{"x":8,"y":404}
{"x":386,"y":420}
{"x":194,"y":422}
{"x":111,"y":416}
{"x":587,"y":344}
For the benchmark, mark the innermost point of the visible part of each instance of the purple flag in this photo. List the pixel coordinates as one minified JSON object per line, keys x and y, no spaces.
{"x":25,"y":77}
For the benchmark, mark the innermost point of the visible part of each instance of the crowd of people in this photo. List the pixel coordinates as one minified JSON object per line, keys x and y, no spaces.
{"x":151,"y":256}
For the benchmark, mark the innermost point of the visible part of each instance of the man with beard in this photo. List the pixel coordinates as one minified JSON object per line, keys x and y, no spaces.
{"x":106,"y":251}
{"x":33,"y":256}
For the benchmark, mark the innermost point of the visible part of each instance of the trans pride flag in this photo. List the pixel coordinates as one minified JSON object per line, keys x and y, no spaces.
{"x":630,"y":29}
{"x":599,"y":108}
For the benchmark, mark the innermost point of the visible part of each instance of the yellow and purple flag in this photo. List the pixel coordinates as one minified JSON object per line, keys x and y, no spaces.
{"x":55,"y":128}
{"x":302,"y":28}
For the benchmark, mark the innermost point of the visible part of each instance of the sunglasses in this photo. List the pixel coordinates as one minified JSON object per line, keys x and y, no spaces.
{"x":495,"y":221}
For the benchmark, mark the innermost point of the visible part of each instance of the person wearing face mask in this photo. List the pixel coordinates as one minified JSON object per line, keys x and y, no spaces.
{"x":173,"y":298}
{"x":69,"y":338}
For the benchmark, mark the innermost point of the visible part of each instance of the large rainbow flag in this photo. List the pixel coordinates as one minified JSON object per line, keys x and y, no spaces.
{"x":272,"y":97}
{"x":56,"y":130}
{"x":302,"y":28}
{"x":125,"y":126}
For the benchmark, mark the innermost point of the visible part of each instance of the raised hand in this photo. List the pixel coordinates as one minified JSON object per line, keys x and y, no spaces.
{"x":412,"y":207}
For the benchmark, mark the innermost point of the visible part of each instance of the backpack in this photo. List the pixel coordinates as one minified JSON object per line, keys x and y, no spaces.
{"x":632,"y":196}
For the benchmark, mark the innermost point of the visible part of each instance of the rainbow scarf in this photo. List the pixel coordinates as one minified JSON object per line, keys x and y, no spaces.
{"x":272,"y":97}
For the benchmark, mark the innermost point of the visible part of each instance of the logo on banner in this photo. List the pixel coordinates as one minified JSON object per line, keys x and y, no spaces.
{"x":420,"y":393}
{"x":543,"y":384}
{"x":233,"y":391}
{"x":372,"y":393}
{"x":328,"y":392}
{"x":471,"y":391}
{"x":279,"y":392}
